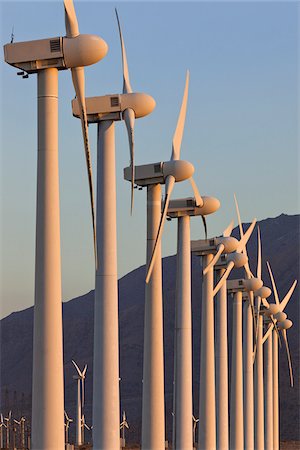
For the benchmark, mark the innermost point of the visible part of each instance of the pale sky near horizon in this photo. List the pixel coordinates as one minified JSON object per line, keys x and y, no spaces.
{"x":241,"y":129}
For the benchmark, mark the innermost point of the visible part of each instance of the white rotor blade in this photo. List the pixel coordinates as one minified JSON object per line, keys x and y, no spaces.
{"x":246,"y":266}
{"x":126,"y":83}
{"x":170,"y":181}
{"x":84,"y":370}
{"x":258,"y":272}
{"x":284,"y":335}
{"x":224,"y":277}
{"x":198,"y":198}
{"x":275,"y":292}
{"x":227,"y":232}
{"x":288,"y":296}
{"x":77,"y":368}
{"x":215,"y":259}
{"x":129,"y":119}
{"x":71,"y":23}
{"x":243,"y":241}
{"x":78,"y":82}
{"x":177,"y":138}
{"x":128,"y":114}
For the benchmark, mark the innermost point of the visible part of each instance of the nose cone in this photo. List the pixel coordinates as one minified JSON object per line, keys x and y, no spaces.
{"x":263,"y":292}
{"x":273,"y":309}
{"x":83,"y":50}
{"x":239,"y":259}
{"x":285,"y":325}
{"x":180,"y":170}
{"x":253,"y":284}
{"x":280,"y":316}
{"x":142,"y":104}
{"x":230,"y":243}
{"x":210,"y":205}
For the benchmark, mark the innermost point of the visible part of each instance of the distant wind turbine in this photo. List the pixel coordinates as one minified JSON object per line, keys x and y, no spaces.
{"x":80,"y":377}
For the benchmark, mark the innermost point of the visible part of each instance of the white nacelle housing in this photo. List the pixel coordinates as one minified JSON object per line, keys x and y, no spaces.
{"x":59,"y":52}
{"x":112,"y":105}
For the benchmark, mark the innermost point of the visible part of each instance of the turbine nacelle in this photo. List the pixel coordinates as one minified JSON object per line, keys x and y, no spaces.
{"x":59,"y":52}
{"x":113,"y":105}
{"x":239,"y":259}
{"x":280,"y":316}
{"x":263,"y":292}
{"x":158,"y":172}
{"x":188,"y":206}
{"x":272,"y":310}
{"x":253,"y":284}
{"x":229,"y":243}
{"x":285,"y":324}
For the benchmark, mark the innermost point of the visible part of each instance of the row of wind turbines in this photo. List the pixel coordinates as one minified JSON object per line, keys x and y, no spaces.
{"x":75,"y":51}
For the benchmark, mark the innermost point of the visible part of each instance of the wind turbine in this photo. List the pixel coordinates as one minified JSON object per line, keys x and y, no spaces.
{"x":45,"y":57}
{"x":123,"y":425}
{"x":208,"y":249}
{"x":182,"y":210}
{"x":83,"y":427}
{"x":104,"y":111}
{"x":80,"y":377}
{"x":67,"y":426}
{"x":152,"y":176}
{"x":2,"y":424}
{"x":195,"y":421}
{"x":275,"y":311}
{"x":21,"y":423}
{"x":7,"y":420}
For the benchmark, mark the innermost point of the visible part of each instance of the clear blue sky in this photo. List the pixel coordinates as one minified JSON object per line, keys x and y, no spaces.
{"x":241,"y":129}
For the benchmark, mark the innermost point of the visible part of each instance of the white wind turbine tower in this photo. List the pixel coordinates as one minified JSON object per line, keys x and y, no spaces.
{"x":210,"y":250}
{"x":80,"y":377}
{"x":152,"y":176}
{"x":45,"y":57}
{"x":224,"y":266}
{"x":67,"y":426}
{"x":105,"y":110}
{"x":261,"y":295}
{"x":183,"y":209}
{"x":276,"y":313}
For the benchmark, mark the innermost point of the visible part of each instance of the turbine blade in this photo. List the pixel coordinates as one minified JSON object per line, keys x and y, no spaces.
{"x":126,"y":83}
{"x":129,"y":118}
{"x":227,"y":232}
{"x":268,"y":332}
{"x":78,"y":82}
{"x":258,"y":253}
{"x":205,"y":226}
{"x":71,"y":23}
{"x":198,"y":198}
{"x":77,"y":368}
{"x":177,"y":138}
{"x":214,"y":260}
{"x":243,"y":241}
{"x":275,"y":292}
{"x":288,"y":296}
{"x":224,"y":277}
{"x":170,"y":181}
{"x":246,"y":266}
{"x":84,"y":370}
{"x":284,"y":335}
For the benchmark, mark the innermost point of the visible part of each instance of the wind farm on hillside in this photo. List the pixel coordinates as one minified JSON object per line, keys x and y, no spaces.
{"x":218,"y":384}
